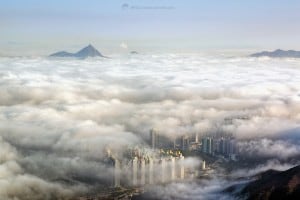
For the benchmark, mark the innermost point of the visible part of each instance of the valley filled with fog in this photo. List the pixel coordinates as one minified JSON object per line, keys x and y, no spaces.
{"x":58,"y":116}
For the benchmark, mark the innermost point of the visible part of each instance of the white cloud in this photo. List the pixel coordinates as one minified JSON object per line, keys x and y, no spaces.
{"x":123,"y":45}
{"x":270,"y":148}
{"x":64,"y":109}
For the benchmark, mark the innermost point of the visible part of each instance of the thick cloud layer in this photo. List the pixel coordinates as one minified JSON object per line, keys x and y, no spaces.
{"x":208,"y":189}
{"x":16,"y":183}
{"x":57,"y":117}
{"x":282,"y":149}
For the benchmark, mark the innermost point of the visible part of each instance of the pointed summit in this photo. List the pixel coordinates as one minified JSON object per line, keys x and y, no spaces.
{"x":88,"y":51}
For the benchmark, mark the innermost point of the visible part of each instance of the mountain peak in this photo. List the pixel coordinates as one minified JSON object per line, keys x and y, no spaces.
{"x":278,"y":53}
{"x":90,"y":47}
{"x":88,"y":51}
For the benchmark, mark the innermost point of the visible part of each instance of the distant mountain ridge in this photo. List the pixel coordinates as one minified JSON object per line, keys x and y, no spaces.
{"x":88,"y":51}
{"x":278,"y":54}
{"x":271,"y":185}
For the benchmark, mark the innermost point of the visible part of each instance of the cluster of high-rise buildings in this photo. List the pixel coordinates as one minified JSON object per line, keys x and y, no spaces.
{"x":224,"y":145}
{"x":142,"y":168}
{"x":186,"y":142}
{"x":165,"y":161}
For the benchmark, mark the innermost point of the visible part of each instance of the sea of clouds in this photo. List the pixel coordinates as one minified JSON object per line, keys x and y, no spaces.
{"x":58,"y":116}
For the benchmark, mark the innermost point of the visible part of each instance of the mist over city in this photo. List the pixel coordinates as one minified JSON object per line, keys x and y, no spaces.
{"x":145,"y":100}
{"x":59,"y":117}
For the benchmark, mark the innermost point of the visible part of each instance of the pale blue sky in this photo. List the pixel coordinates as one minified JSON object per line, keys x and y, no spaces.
{"x":167,"y":24}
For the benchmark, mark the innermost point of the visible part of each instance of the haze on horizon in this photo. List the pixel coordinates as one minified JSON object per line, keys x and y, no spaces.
{"x":39,"y":28}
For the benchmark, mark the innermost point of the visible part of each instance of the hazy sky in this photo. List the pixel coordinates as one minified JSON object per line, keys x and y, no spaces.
{"x":142,"y":24}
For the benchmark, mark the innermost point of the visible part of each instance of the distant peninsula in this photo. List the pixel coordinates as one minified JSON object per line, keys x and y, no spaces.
{"x":88,"y":51}
{"x":134,"y":52}
{"x":278,"y":54}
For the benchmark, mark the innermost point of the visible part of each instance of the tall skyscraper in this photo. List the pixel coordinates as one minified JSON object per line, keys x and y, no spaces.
{"x":143,"y":171}
{"x":207,"y":145}
{"x":204,"y":145}
{"x":185,"y":142}
{"x":203,"y":165}
{"x":196,"y":138}
{"x":151,"y":172}
{"x":153,"y":138}
{"x":163,"y":170}
{"x":173,"y":172}
{"x":117,"y":173}
{"x":134,"y":171}
{"x":181,"y":167}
